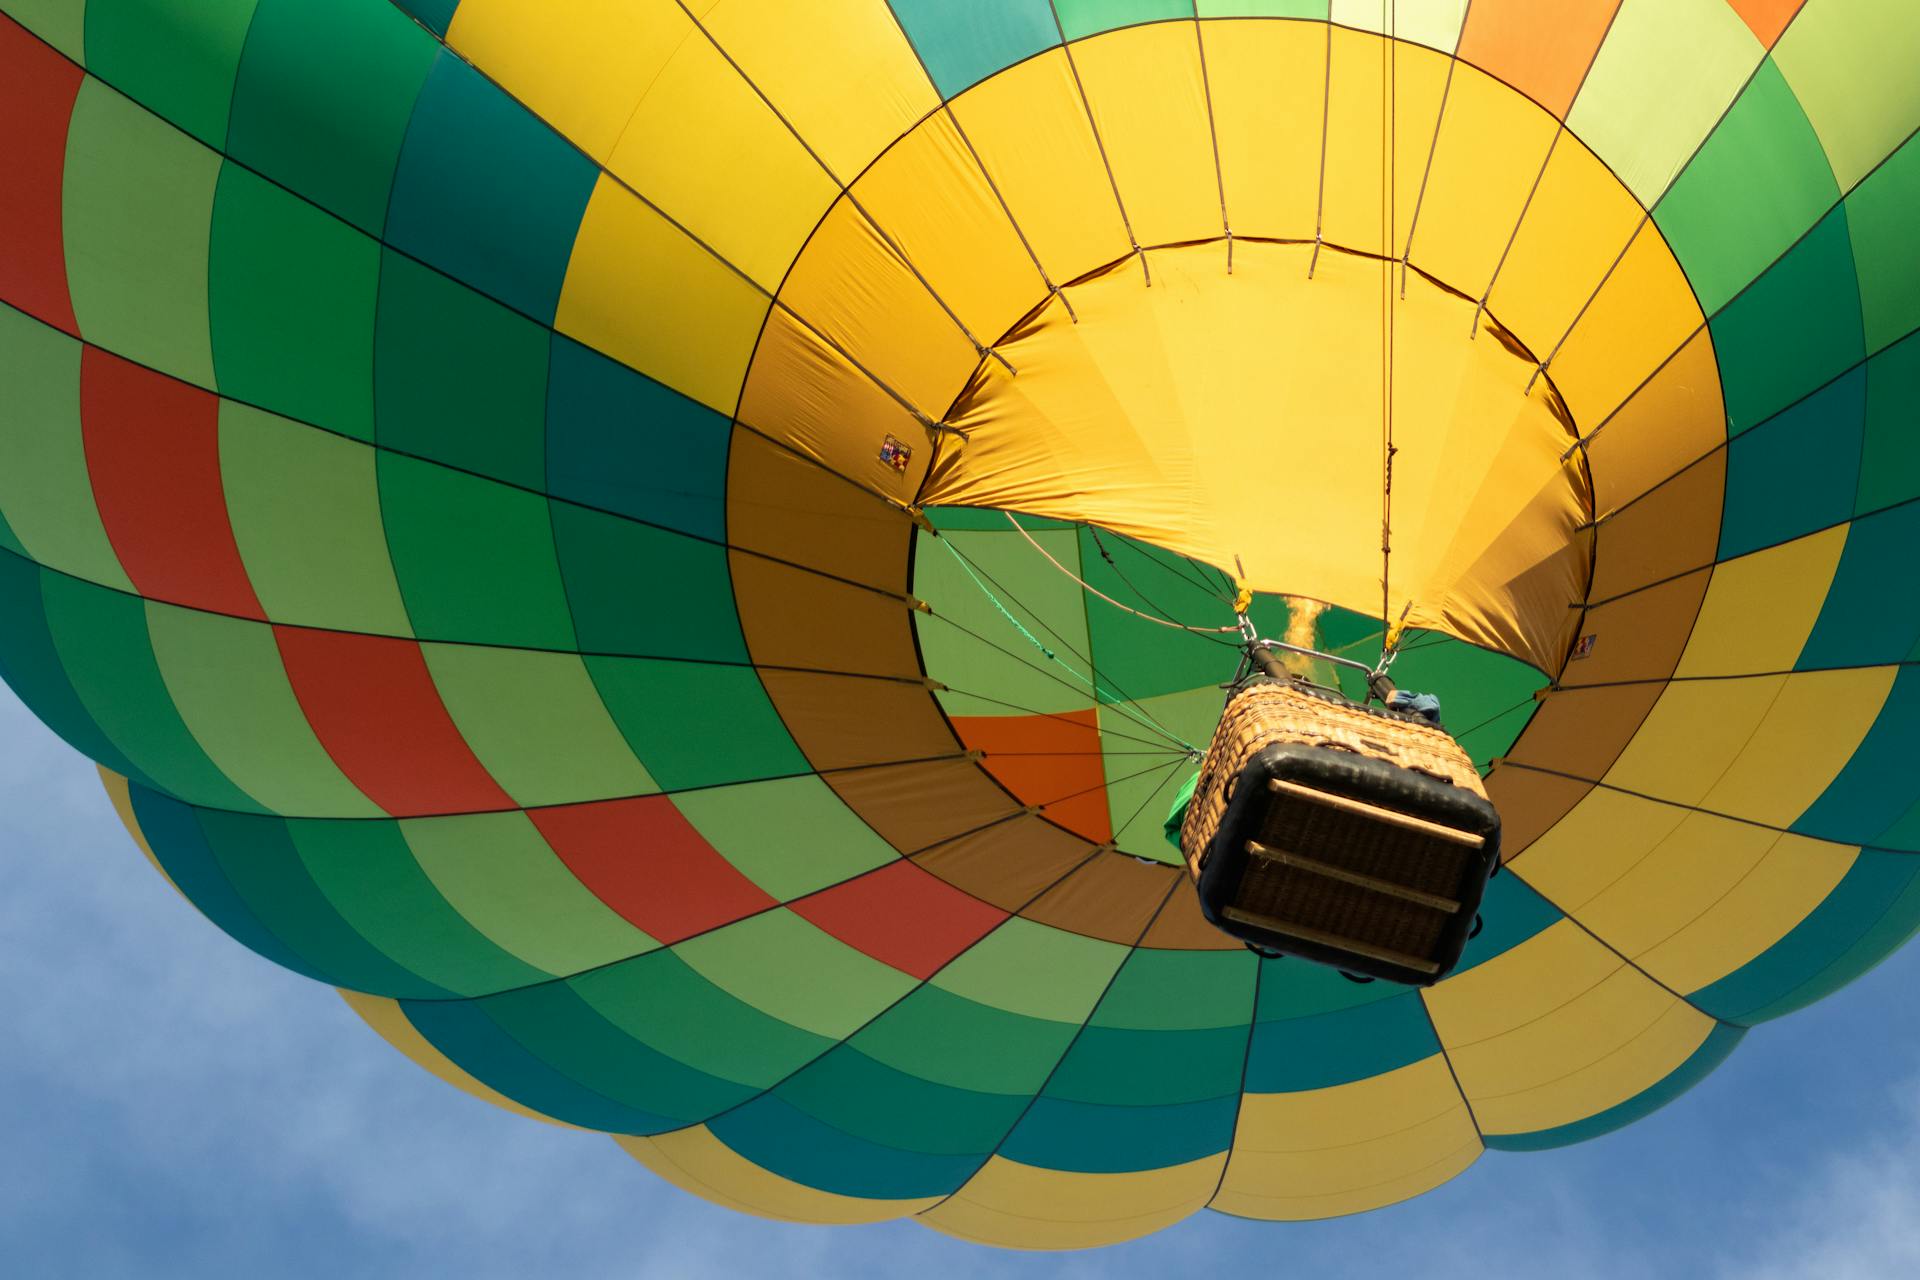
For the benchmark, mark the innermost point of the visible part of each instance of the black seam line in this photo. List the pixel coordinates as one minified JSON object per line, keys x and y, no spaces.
{"x":845,"y":189}
{"x":1159,"y":748}
{"x":1496,"y":717}
{"x":1726,"y":442}
{"x":1771,"y":546}
{"x":1673,"y":180}
{"x":1126,"y":699}
{"x":1240,"y":1094}
{"x":1086,"y":105}
{"x":1706,"y":324}
{"x":1213,"y":132}
{"x":1514,"y":235}
{"x":1690,"y":808}
{"x":1065,"y":1052}
{"x":772,"y":295}
{"x":1624,"y":959}
{"x":1891,"y":665}
{"x":1433,"y":144}
{"x":1453,"y":1073}
{"x":1142,"y":596}
{"x":918,"y":986}
{"x":766,"y":910}
{"x":1105,"y":785}
{"x":1145,"y":551}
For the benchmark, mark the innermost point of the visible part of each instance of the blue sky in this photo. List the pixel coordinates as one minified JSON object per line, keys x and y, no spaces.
{"x":172,"y":1105}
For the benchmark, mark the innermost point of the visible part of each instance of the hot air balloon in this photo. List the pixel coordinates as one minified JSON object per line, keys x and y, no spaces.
{"x":679,"y":552}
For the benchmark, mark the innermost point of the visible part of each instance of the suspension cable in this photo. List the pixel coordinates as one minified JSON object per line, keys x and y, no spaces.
{"x":1092,"y":590}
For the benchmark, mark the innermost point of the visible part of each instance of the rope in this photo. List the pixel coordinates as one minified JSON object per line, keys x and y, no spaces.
{"x":1092,"y":590}
{"x":1480,"y":309}
{"x":1446,"y":90}
{"x":1213,"y":132}
{"x":1390,"y":14}
{"x":1087,"y":103}
{"x":1326,"y":113}
{"x":1113,"y":699}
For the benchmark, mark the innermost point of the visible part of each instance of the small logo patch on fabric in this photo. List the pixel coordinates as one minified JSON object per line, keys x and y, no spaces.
{"x":1583,"y":647}
{"x":895,"y":454}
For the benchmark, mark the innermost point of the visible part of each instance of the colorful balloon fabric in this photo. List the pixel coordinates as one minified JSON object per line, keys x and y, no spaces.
{"x":569,"y":523}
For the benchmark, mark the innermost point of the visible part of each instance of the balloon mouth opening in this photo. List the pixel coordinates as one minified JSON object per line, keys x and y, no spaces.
{"x":1245,"y":416}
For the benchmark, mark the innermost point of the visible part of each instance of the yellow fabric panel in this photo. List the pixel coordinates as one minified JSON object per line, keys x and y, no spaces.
{"x":931,"y":197}
{"x":854,"y":289}
{"x":1137,"y":418}
{"x":1793,"y":878}
{"x":1673,"y":882}
{"x":1492,"y":144}
{"x":123,"y":806}
{"x":1030,"y":128}
{"x":1644,"y":313}
{"x":998,"y":1204}
{"x":1324,"y":1152}
{"x":1600,"y":839}
{"x":1434,"y":23}
{"x":1670,"y":421}
{"x":740,"y":181}
{"x":805,"y":395}
{"x":640,"y":291}
{"x":1359,"y":145}
{"x":694,"y":1160}
{"x":1559,"y":1029}
{"x":1786,"y":585}
{"x":1144,"y":88}
{"x":1810,"y":732}
{"x":841,"y":73}
{"x":1578,"y":222}
{"x":1692,"y":736}
{"x":581,"y":73}
{"x":1267,"y":81}
{"x":385,"y":1017}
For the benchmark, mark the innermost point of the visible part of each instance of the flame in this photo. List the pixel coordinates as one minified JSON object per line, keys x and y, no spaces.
{"x":1303,"y":624}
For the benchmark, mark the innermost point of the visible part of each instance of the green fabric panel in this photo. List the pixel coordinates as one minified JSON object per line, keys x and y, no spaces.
{"x":1328,"y":1049}
{"x":948,"y":1039}
{"x":136,"y":204}
{"x":322,"y":97}
{"x":1711,"y":1053}
{"x":497,"y":871}
{"x":855,"y":1094}
{"x":1086,"y":17}
{"x":555,"y":1024}
{"x":61,"y":23}
{"x":1893,"y":929}
{"x":1852,"y":65}
{"x":1291,"y":989}
{"x":1871,"y":616}
{"x":436,"y":14}
{"x":660,"y":1001}
{"x":1035,"y":970}
{"x":536,"y":724}
{"x":226,"y":678}
{"x":45,"y":492}
{"x":258,"y":856}
{"x":1078,"y":1137}
{"x":783,"y":966}
{"x":1146,"y":766}
{"x":696,"y":724}
{"x":635,"y":589}
{"x":1140,"y":659}
{"x":961,"y":45}
{"x":968,"y":644}
{"x":786,"y":1141}
{"x":461,"y":379}
{"x":1886,"y":252}
{"x":487,"y":192}
{"x":291,"y":295}
{"x":177,"y":60}
{"x":102,"y":639}
{"x":369,"y":874}
{"x":1765,"y":151}
{"x":1180,"y":990}
{"x":1263,"y":9}
{"x":1793,"y":329}
{"x":474,"y":558}
{"x":1474,"y":685}
{"x":1796,"y":472}
{"x":305,"y":507}
{"x":790,"y":836}
{"x":30,"y":664}
{"x":1129,"y":1067}
{"x":1890,"y":454}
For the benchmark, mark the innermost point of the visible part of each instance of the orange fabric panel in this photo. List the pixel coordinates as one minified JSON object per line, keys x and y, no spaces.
{"x":1530,"y":802}
{"x":1052,"y":761}
{"x":1541,"y":47}
{"x":1767,"y":18}
{"x":1112,"y":898}
{"x":919,"y":807}
{"x":1581,"y":732}
{"x":1672,"y":530}
{"x":1008,"y":863}
{"x":1640,"y":636}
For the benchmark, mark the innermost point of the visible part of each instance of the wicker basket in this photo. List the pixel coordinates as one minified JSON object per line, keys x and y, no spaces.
{"x":1358,"y":837}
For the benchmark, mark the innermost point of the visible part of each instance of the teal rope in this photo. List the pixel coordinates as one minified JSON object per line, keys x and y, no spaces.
{"x":1104,"y":695}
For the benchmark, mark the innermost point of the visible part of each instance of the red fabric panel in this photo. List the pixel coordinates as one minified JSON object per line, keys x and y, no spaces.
{"x":153,"y":452}
{"x":641,"y":857}
{"x":1051,"y":761}
{"x":37,"y":89}
{"x":902,"y":916}
{"x":373,"y":705}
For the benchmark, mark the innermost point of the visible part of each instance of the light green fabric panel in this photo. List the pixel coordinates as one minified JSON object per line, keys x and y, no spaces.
{"x":1851,"y":64}
{"x":783,"y":966}
{"x":1034,"y":969}
{"x":790,"y":836}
